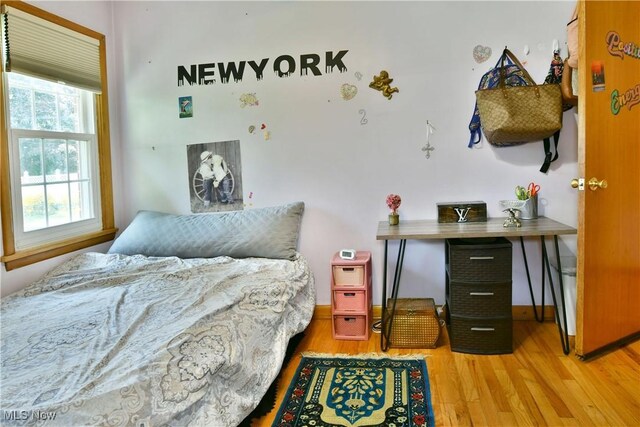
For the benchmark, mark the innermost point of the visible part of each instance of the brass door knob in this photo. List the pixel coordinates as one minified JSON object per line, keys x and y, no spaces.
{"x":578,"y":183}
{"x":594,"y":184}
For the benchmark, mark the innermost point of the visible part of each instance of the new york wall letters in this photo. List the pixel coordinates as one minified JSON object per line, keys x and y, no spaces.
{"x":283,"y":66}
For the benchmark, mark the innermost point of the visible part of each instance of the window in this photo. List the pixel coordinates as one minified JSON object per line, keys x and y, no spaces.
{"x":56,"y":189}
{"x":54,"y":173}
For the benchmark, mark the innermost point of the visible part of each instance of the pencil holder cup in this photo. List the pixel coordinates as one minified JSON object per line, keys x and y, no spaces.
{"x":530,"y":208}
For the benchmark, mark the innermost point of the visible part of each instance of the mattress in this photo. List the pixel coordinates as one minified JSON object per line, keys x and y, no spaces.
{"x":111,"y":339}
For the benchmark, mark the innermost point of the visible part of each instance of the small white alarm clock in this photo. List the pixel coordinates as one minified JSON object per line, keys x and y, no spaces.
{"x":347,"y":253}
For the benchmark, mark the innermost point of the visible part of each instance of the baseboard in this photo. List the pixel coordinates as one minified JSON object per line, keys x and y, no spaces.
{"x":519,"y":312}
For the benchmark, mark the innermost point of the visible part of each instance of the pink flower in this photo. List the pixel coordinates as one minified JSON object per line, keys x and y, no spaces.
{"x":393,"y":201}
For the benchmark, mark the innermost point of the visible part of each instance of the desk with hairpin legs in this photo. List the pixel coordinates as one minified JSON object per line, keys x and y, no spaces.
{"x":431,"y":229}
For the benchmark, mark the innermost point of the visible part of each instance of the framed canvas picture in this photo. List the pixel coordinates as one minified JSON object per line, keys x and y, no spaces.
{"x":215,"y":176}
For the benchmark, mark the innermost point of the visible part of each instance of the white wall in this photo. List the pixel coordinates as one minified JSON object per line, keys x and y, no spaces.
{"x":319,"y":152}
{"x":96,"y":15}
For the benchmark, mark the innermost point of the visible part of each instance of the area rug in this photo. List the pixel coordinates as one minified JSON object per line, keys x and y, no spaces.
{"x":330,"y":390}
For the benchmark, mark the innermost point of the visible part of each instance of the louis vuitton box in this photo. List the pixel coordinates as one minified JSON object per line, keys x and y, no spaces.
{"x":475,"y":211}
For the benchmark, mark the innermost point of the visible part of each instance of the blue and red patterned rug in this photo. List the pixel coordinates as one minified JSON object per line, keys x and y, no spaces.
{"x":350,"y":391}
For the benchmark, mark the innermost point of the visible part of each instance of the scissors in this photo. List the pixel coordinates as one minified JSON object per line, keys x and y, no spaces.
{"x":533,"y":189}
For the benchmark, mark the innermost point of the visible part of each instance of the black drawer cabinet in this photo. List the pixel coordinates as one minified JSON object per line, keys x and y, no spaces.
{"x":479,"y":262}
{"x":478,"y":295}
{"x":481,"y":336}
{"x":480,"y":299}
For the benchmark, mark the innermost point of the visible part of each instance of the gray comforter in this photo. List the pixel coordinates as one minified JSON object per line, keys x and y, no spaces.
{"x":116,"y":340}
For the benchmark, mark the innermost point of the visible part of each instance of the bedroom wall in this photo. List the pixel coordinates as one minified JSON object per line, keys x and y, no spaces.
{"x":319,"y":151}
{"x":340,"y":157}
{"x":96,"y":15}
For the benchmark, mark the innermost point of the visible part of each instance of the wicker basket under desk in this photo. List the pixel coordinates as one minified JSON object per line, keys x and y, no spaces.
{"x":415,"y":323}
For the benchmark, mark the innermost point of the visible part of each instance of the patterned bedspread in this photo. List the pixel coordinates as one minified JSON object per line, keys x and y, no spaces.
{"x":116,"y":340}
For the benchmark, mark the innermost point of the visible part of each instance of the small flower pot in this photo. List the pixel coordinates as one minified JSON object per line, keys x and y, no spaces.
{"x":394,"y":219}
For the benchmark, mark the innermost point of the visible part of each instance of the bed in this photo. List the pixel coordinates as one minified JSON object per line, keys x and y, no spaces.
{"x":149,"y":334}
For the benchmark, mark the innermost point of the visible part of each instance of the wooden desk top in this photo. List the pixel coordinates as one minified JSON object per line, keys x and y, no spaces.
{"x":432,"y":229}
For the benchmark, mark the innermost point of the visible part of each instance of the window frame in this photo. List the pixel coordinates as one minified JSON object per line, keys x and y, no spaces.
{"x":13,"y":258}
{"x":53,"y":233}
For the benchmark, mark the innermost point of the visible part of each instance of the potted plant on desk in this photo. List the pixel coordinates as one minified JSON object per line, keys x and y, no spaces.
{"x":393,"y":201}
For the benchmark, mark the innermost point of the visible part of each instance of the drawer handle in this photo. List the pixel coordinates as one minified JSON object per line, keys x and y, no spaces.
{"x":484,"y":294}
{"x":348,"y":269}
{"x":349,"y":294}
{"x":480,"y":257}
{"x":349,"y":319}
{"x":483,"y":329}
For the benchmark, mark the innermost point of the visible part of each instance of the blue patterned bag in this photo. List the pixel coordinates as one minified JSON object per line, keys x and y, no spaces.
{"x":491,"y":79}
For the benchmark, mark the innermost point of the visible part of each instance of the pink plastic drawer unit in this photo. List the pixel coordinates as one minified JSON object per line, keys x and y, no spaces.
{"x":351,"y":308}
{"x":349,"y":301}
{"x":348,"y":276}
{"x":350,"y":327}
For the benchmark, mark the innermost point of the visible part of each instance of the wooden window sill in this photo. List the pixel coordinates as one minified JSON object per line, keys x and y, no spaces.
{"x":41,"y":253}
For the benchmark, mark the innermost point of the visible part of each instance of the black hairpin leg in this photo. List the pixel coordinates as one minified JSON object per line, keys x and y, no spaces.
{"x":564,"y":334}
{"x":384,"y":297}
{"x":533,"y":299}
{"x":546,"y":271}
{"x":543,"y":276}
{"x":387,"y":322}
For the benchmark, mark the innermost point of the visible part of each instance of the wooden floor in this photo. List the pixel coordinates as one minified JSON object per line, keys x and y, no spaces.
{"x":537,"y":385}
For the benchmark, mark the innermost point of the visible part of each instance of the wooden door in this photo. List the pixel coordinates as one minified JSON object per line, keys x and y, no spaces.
{"x":608,"y":307}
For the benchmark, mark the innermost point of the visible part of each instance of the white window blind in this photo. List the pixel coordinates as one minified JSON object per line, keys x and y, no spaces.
{"x":37,"y":47}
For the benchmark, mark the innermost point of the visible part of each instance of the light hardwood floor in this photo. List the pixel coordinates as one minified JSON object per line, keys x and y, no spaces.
{"x":537,"y":385}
